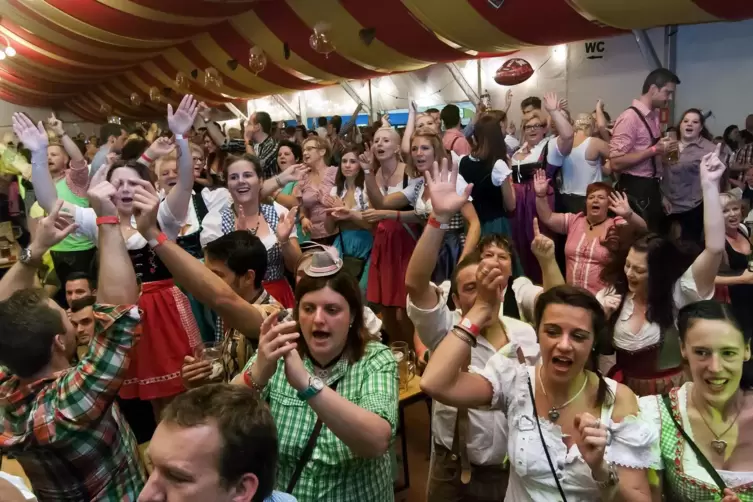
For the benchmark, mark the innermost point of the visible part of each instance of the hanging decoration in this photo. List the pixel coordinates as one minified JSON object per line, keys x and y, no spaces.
{"x":210,"y":75}
{"x":232,"y":64}
{"x":513,"y":72}
{"x":257,"y":60}
{"x":105,"y":108}
{"x":320,"y":40}
{"x":155,"y":95}
{"x":113,"y":120}
{"x":218,"y":81}
{"x":181,"y":81}
{"x":367,"y":35}
{"x":136,"y":99}
{"x":286,"y":50}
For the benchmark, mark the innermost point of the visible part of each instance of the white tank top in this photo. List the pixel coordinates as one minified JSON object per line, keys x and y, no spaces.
{"x":578,"y":172}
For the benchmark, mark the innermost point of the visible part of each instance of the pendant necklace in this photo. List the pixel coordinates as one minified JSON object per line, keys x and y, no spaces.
{"x":718,"y":445}
{"x":592,"y":225}
{"x":554,"y":412}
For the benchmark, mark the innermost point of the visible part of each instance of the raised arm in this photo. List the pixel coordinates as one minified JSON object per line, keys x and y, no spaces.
{"x":351,"y":121}
{"x":180,"y":123}
{"x":542,"y":248}
{"x":601,"y":122}
{"x":619,"y":205}
{"x":444,"y":378}
{"x":77,"y":176}
{"x":565,"y":134}
{"x":205,"y":113}
{"x":48,"y":232}
{"x":557,"y":222}
{"x":295,"y":172}
{"x":87,"y":392}
{"x":706,"y":266}
{"x":410,"y":126}
{"x":34,"y":137}
{"x":190,"y":273}
{"x":445,"y":202}
{"x":473,"y":235}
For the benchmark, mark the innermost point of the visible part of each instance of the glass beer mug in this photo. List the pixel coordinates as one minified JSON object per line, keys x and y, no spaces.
{"x":406,"y":363}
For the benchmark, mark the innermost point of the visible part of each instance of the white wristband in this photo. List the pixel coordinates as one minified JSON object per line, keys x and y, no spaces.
{"x":179,"y":136}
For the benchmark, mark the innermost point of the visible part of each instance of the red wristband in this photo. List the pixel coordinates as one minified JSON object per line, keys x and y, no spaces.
{"x":161,"y":238}
{"x":437,"y":224}
{"x":653,"y":149}
{"x":468,"y":325}
{"x":107,"y":220}
{"x":146,"y":158}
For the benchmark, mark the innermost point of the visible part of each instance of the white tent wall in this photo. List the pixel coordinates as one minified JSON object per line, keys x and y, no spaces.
{"x":73,"y":124}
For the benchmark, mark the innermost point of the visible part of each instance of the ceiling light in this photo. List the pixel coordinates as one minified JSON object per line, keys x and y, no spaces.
{"x":10,"y":51}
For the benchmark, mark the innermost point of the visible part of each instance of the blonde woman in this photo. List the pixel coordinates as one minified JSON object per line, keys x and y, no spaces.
{"x":586,"y":164}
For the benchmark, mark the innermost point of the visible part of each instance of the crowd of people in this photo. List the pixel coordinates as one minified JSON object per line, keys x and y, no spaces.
{"x":577,"y":293}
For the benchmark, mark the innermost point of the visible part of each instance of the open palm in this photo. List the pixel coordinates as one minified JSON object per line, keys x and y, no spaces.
{"x":34,"y":137}
{"x":181,"y":121}
{"x":442,"y":183}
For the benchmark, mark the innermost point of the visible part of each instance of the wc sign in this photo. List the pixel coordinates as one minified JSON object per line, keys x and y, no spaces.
{"x":595,"y":49}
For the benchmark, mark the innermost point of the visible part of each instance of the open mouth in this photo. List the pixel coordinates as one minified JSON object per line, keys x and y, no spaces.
{"x":320,"y":336}
{"x":243,"y":190}
{"x":380,"y":151}
{"x":561,"y":364}
{"x":172,"y":183}
{"x":716,"y":384}
{"x":126,"y":200}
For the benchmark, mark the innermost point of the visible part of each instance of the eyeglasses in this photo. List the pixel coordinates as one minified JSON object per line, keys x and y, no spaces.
{"x":198,"y":160}
{"x":533,"y":127}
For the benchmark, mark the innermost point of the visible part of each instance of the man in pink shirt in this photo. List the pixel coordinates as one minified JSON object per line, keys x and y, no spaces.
{"x":637,"y":148}
{"x":454,"y":139}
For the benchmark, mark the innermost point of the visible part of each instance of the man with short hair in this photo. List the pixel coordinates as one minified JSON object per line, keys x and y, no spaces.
{"x":454,"y":139}
{"x":434,"y":112}
{"x":636,"y":149}
{"x":217,"y":443}
{"x":59,"y":421}
{"x":79,"y":285}
{"x":258,"y":136}
{"x":83,"y":321}
{"x":112,"y":137}
{"x":744,"y":157}
{"x":530,"y":104}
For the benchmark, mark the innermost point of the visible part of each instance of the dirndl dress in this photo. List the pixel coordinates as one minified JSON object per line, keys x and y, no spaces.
{"x":357,"y":244}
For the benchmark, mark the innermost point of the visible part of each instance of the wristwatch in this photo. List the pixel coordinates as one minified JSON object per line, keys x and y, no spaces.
{"x":612,"y":477}
{"x":25,"y":256}
{"x":315,"y":386}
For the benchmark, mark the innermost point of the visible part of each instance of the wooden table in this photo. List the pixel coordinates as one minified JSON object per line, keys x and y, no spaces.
{"x":411,"y":395}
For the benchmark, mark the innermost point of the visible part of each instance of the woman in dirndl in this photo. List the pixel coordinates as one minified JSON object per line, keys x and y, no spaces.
{"x":537,"y":152}
{"x":244,"y":181}
{"x":396,"y":232}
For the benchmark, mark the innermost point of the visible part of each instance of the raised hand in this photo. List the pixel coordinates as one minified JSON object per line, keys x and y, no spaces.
{"x":296,"y":172}
{"x":145,"y":208}
{"x":100,"y":194}
{"x":508,"y":98}
{"x":53,"y":228}
{"x":611,"y":303}
{"x":562,"y":104}
{"x":511,"y":130}
{"x":442,"y":184}
{"x":181,"y":121}
{"x":600,"y":105}
{"x":591,"y":438}
{"x":542,"y":246}
{"x":286,"y":225}
{"x":295,"y":372}
{"x":551,"y":102}
{"x":490,"y":281}
{"x":55,"y":125}
{"x":540,"y":183}
{"x":712,"y":167}
{"x":204,"y":112}
{"x":34,"y":137}
{"x":161,"y":147}
{"x":275,"y":340}
{"x":619,"y":205}
{"x":366,"y":159}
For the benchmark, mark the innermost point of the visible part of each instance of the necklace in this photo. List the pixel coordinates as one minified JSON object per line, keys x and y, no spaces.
{"x":554,"y":412}
{"x":592,"y":225}
{"x":718,"y":445}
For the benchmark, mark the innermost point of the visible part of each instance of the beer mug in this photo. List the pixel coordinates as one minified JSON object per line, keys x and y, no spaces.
{"x":406,"y":363}
{"x":672,"y":156}
{"x":211,"y":352}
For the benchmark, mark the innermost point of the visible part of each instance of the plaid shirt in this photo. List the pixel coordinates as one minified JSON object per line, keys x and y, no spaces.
{"x":334,"y":473}
{"x":744,"y":155}
{"x":65,"y":430}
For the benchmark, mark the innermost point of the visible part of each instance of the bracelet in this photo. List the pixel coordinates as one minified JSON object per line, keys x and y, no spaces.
{"x":467,"y":325}
{"x":433,"y":222}
{"x":366,"y":171}
{"x":251,"y":383}
{"x":145,"y":157}
{"x":653,"y":149}
{"x":107,"y":220}
{"x":161,"y":238}
{"x":179,"y":136}
{"x":279,"y":181}
{"x":464,"y":336}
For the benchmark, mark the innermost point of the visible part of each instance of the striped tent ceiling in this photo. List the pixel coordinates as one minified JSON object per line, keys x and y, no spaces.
{"x":91,"y":56}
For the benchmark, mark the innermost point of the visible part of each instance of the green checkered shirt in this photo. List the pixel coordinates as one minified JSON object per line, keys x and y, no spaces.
{"x":334,"y":473}
{"x":66,"y":431}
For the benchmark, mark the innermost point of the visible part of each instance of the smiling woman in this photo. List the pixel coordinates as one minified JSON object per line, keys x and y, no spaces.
{"x":711,"y":416}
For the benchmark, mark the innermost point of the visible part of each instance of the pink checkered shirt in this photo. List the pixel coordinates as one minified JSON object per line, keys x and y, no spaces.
{"x":630,"y":135}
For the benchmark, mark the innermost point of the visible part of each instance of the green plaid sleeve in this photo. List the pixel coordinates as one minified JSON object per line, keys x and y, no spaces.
{"x":87,"y":391}
{"x":379,"y":391}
